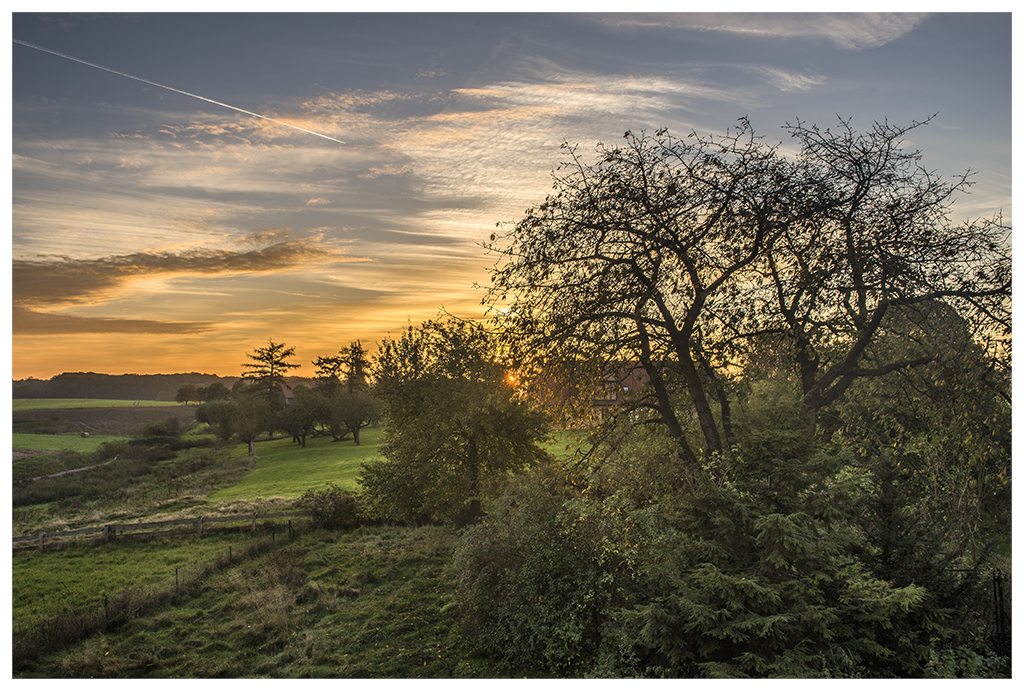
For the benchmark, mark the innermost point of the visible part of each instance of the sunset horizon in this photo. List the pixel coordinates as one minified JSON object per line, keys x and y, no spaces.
{"x":188,"y":187}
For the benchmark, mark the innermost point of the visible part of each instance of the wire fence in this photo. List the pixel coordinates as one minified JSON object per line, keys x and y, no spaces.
{"x":179,"y":527}
{"x":58,"y":631}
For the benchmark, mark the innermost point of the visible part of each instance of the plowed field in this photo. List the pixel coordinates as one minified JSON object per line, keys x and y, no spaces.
{"x":121,"y":421}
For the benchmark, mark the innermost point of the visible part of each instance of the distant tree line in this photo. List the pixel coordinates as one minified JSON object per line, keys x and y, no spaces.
{"x":140,"y":387}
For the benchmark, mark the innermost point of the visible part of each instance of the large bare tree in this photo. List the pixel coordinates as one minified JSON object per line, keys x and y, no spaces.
{"x":687,"y":256}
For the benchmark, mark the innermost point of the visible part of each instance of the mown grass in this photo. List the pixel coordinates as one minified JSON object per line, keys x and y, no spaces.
{"x":285,"y":469}
{"x":69,"y":403}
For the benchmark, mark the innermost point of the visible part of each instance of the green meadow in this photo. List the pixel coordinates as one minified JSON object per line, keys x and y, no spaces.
{"x":285,"y":469}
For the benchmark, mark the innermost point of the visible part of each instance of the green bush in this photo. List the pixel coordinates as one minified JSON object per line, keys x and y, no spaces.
{"x":332,"y":507}
{"x":759,"y":564}
{"x":964,"y":662}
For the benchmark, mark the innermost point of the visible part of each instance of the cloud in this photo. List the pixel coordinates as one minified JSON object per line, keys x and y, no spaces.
{"x":50,"y":283}
{"x":25,"y":322}
{"x":789,"y":81}
{"x":849,"y":31}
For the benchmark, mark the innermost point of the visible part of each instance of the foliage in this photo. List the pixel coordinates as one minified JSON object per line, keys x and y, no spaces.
{"x":245,"y":418}
{"x":214,"y":392}
{"x":946,"y":422}
{"x":762,"y":564}
{"x":218,"y":415}
{"x":186,"y":393}
{"x":331,"y":507}
{"x":454,"y":426}
{"x":966,"y":663}
{"x":541,"y":573}
{"x":350,"y":411}
{"x":301,"y":417}
{"x":348,"y":370}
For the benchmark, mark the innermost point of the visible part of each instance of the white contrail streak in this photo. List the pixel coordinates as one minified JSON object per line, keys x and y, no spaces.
{"x":171,"y":88}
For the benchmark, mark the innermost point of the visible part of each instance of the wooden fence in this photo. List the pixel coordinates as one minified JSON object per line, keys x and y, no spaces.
{"x":144,"y":531}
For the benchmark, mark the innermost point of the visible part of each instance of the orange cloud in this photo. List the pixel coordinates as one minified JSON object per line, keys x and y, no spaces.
{"x":57,"y":283}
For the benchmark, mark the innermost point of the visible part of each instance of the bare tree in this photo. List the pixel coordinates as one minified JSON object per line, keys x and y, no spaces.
{"x":686,"y":255}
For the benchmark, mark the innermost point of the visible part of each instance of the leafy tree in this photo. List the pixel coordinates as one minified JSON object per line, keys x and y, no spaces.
{"x":253,"y":416}
{"x":947,"y":423}
{"x":348,"y":412}
{"x":218,"y":415}
{"x":267,"y":370}
{"x":186,"y":393}
{"x":686,"y":255}
{"x":301,"y":417}
{"x":244,"y":419}
{"x":454,"y":427}
{"x":349,"y":369}
{"x":214,"y":392}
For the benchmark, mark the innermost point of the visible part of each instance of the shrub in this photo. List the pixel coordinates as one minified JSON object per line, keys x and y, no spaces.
{"x":756,"y":565}
{"x":331,"y":507}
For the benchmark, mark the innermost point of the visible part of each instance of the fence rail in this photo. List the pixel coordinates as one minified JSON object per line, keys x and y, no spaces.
{"x":144,"y":531}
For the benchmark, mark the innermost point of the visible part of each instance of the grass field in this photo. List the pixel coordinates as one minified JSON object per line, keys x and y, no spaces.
{"x":285,"y":469}
{"x":375,"y":602}
{"x":58,"y":442}
{"x":44,"y":584}
{"x":72,"y":403}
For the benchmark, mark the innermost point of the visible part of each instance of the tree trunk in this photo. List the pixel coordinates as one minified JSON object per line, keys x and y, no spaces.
{"x":474,"y":510}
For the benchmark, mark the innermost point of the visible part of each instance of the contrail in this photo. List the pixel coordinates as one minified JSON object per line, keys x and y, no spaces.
{"x":171,"y":88}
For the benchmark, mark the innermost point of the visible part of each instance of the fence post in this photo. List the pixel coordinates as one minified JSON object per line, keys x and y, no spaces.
{"x":254,"y":523}
{"x":199,"y":527}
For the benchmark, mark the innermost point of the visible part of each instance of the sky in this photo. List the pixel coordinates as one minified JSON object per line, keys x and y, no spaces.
{"x":187,"y":187}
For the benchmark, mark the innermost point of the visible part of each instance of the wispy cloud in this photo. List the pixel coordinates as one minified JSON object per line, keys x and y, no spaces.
{"x":847,"y":30}
{"x":26,"y":322}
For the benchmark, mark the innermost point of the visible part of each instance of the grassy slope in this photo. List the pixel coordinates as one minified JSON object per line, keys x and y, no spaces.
{"x":44,"y":584}
{"x":285,"y":469}
{"x":69,"y":403}
{"x":365,"y":603}
{"x":369,"y":603}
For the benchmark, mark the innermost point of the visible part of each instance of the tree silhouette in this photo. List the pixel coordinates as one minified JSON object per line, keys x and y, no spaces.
{"x":686,"y":255}
{"x":267,"y":369}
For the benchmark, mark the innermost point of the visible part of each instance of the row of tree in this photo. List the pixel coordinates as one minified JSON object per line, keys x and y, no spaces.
{"x":339,"y":404}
